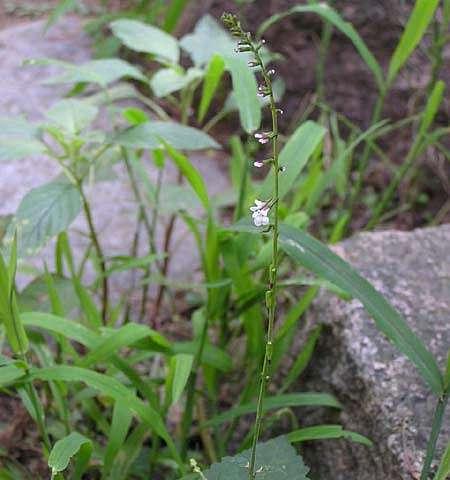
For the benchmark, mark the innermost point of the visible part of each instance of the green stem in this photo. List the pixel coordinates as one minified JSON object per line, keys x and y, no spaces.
{"x":271,"y":294}
{"x":347,"y":213}
{"x":432,"y":441}
{"x":190,"y":390}
{"x":395,"y":182}
{"x":98,"y":249}
{"x":325,"y":39}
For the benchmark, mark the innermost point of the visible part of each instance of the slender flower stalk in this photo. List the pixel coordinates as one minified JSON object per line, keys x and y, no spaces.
{"x":261,"y":210}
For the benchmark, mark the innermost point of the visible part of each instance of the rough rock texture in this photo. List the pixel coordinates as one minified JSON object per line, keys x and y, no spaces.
{"x":383,"y":395}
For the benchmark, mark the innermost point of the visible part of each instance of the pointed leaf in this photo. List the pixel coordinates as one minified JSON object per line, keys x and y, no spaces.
{"x":294,"y":155}
{"x":169,"y":80}
{"x":181,"y":366}
{"x":66,"y":448}
{"x":415,"y":29}
{"x":245,"y":91}
{"x":101,"y":72}
{"x":148,"y":135}
{"x":326,"y":432}
{"x":191,"y":174}
{"x":15,"y":148}
{"x":43,"y":213}
{"x":213,"y":75}
{"x":278,"y":401}
{"x":141,"y":37}
{"x":72,"y":115}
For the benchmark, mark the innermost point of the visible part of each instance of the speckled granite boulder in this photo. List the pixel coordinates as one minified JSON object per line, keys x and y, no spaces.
{"x":382,"y":393}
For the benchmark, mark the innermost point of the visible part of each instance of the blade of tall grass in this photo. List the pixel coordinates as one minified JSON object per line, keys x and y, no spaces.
{"x":326,"y":432}
{"x":415,"y":29}
{"x":318,"y":258}
{"x":277,"y":401}
{"x":330,"y":15}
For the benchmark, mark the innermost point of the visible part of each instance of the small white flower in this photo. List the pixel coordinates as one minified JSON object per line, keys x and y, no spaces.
{"x":258,"y":164}
{"x":260,"y":212}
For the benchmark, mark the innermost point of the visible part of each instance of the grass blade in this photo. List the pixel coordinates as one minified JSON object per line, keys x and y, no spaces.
{"x":326,"y":432}
{"x":330,"y":15}
{"x":415,"y":29}
{"x":213,"y":75}
{"x":318,"y":258}
{"x":278,"y":401}
{"x":444,"y":467}
{"x":174,"y":13}
{"x":191,"y":174}
{"x":110,"y":387}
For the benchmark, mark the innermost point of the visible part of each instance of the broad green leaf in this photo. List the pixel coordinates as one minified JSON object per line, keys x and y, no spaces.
{"x":277,"y":401}
{"x":102,"y":72}
{"x":294,"y":155}
{"x":44,"y":212}
{"x":72,"y":115}
{"x":327,"y":13}
{"x":326,"y":432}
{"x":66,"y":448}
{"x":415,"y":29}
{"x":210,"y":39}
{"x":9,"y":374}
{"x":213,"y":75}
{"x":191,"y":174}
{"x":207,"y":39}
{"x":17,"y":126}
{"x":141,"y":37}
{"x":35,"y":296}
{"x":169,"y":80}
{"x":275,"y":460}
{"x":15,"y":148}
{"x":318,"y":258}
{"x":180,"y":368}
{"x":152,"y":134}
{"x":443,"y":472}
{"x":245,"y":91}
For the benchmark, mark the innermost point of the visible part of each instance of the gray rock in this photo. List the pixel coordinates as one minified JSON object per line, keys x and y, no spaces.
{"x":383,"y":395}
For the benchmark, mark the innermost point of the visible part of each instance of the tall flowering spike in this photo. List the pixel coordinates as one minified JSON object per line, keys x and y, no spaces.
{"x":260,"y":213}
